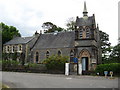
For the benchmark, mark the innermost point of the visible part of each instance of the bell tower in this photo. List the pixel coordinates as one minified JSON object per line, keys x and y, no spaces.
{"x":87,"y":40}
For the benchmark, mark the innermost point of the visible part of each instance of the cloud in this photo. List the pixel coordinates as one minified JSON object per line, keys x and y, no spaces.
{"x":28,"y":15}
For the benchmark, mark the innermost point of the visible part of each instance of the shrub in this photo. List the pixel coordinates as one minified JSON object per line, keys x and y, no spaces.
{"x":115,"y":67}
{"x":9,"y":63}
{"x":56,"y":62}
{"x":32,"y":65}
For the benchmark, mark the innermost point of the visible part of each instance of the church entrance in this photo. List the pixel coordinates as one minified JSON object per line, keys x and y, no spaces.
{"x":84,"y":63}
{"x":84,"y":60}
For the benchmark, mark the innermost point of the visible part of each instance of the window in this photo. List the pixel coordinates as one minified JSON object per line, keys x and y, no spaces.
{"x":13,"y":48}
{"x":59,"y":53}
{"x":8,"y":48}
{"x":47,"y":54}
{"x":19,"y":47}
{"x":71,"y":55}
{"x":81,"y":33}
{"x":87,"y":33}
{"x":37,"y":57}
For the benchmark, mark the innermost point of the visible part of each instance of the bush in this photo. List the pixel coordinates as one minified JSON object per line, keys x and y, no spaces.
{"x":115,"y":67}
{"x":34,"y":65}
{"x":56,"y":62}
{"x":9,"y":63}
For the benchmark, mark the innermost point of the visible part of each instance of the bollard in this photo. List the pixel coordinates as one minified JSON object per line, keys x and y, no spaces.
{"x":67,"y":69}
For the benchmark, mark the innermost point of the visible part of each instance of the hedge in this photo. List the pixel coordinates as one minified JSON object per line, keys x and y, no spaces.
{"x":115,"y":67}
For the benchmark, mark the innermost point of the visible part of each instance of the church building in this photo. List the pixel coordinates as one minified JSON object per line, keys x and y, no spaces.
{"x":82,"y":43}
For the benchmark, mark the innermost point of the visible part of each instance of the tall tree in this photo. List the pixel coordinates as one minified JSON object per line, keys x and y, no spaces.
{"x":105,"y":45}
{"x":115,"y":55}
{"x":8,"y":32}
{"x":50,"y":27}
{"x":71,"y":23}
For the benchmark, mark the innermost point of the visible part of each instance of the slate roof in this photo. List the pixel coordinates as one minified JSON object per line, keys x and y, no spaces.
{"x":19,"y":40}
{"x":59,"y":40}
{"x":85,"y":21}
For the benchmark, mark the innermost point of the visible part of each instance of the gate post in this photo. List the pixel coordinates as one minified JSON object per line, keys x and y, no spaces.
{"x":79,"y":69}
{"x":67,"y":69}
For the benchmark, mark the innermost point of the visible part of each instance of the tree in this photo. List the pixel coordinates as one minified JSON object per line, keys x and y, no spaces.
{"x":8,"y":32}
{"x":105,"y":45}
{"x":56,"y":62}
{"x":50,"y":27}
{"x":115,"y":55}
{"x":71,"y":23}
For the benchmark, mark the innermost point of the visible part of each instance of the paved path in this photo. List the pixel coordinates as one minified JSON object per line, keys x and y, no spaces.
{"x":35,"y":80}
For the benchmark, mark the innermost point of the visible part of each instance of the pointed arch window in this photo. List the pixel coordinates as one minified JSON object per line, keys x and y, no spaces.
{"x":37,"y":57}
{"x":81,"y":33}
{"x":59,"y":53}
{"x":71,"y":55}
{"x":47,"y":54}
{"x":87,"y":33}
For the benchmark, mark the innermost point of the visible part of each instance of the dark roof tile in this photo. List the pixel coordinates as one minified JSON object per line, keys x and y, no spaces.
{"x":59,"y":40}
{"x":19,"y":40}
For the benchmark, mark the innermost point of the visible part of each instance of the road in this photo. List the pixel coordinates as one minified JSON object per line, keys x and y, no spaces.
{"x":35,"y":80}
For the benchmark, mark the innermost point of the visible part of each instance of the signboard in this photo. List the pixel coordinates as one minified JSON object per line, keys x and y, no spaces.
{"x":105,"y":72}
{"x":111,"y":74}
{"x":75,"y":60}
{"x":93,"y":60}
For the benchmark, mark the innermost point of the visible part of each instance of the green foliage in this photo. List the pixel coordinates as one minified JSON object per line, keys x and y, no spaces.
{"x":50,"y":27}
{"x":105,"y":46}
{"x":115,"y":55}
{"x":9,"y":63}
{"x":56,"y":62}
{"x":33,"y":65}
{"x":8,"y":32}
{"x":71,"y":23}
{"x":115,"y":67}
{"x":7,"y":56}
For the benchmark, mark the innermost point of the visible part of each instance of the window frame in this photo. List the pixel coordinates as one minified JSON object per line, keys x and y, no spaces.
{"x":59,"y":54}
{"x":81,"y":33}
{"x":47,"y":54}
{"x":87,"y":32}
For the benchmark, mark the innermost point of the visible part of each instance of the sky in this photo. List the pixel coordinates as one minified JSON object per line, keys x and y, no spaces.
{"x":29,"y":15}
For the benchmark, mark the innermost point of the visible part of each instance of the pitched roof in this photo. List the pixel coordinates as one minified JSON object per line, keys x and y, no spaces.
{"x":19,"y":40}
{"x":59,"y":40}
{"x":85,"y":21}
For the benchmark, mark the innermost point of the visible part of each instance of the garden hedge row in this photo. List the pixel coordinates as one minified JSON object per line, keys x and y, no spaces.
{"x":115,"y":67}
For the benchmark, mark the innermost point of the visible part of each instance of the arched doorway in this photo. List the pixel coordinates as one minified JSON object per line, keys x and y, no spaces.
{"x":85,"y":60}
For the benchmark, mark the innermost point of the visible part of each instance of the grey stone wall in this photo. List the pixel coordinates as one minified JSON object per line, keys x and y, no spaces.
{"x":42,"y":53}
